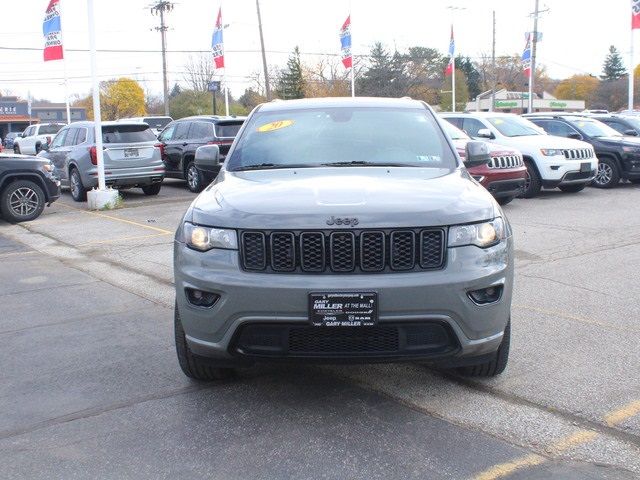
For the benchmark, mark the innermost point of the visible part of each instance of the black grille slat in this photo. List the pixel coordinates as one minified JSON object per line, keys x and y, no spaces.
{"x":283,"y":253}
{"x":372,"y":251}
{"x":254,"y":252}
{"x":431,"y":248}
{"x":343,"y":251}
{"x":344,"y":340}
{"x":403,"y":250}
{"x":312,"y":252}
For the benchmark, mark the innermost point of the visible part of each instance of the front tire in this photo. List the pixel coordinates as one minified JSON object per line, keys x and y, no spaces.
{"x":497,"y":364}
{"x":78,"y":191}
{"x":532,"y":183}
{"x":572,"y":188}
{"x":607,"y":175}
{"x":154,"y":189}
{"x":191,"y":365}
{"x":22,"y":201}
{"x":194,"y":178}
{"x":16,"y":149}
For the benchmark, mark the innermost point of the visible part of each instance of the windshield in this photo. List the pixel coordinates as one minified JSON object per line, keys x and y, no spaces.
{"x":127,"y":133}
{"x":157,"y":123}
{"x":594,"y":128}
{"x":317,"y":137}
{"x":633,"y":121}
{"x":514,"y":126}
{"x":454,"y":132}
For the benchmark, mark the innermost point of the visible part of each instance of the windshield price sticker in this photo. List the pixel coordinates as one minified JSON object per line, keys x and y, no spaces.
{"x":277,"y":125}
{"x":343,"y":309}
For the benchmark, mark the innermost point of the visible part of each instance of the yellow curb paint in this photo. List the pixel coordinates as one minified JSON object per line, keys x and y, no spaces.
{"x":504,"y":469}
{"x":620,"y":415}
{"x":123,"y":239}
{"x":118,"y":219}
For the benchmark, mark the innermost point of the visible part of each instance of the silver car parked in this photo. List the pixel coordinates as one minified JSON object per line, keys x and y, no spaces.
{"x":131,"y":155}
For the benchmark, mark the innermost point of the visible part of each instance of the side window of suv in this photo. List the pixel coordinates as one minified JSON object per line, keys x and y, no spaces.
{"x":60,"y":138}
{"x":455,"y":121}
{"x":182,"y":131}
{"x":28,"y":132}
{"x":71,"y":137}
{"x":471,"y":126}
{"x":81,"y":137}
{"x":201,"y":130}
{"x":167,"y":133}
{"x":617,"y":126}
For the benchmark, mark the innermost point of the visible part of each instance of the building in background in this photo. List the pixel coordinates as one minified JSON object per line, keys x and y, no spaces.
{"x":516,"y":102}
{"x":15,"y":117}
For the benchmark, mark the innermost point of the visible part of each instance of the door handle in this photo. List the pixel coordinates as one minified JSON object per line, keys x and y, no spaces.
{"x":185,"y":144}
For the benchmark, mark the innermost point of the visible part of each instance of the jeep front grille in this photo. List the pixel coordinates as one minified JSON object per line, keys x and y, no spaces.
{"x":506,"y":161}
{"x":578,"y":153}
{"x":343,"y":251}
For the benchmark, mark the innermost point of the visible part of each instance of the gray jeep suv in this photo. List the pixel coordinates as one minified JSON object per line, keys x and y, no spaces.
{"x":343,"y":230}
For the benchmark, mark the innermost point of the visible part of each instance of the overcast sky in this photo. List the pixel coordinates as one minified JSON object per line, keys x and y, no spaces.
{"x":576,"y":35}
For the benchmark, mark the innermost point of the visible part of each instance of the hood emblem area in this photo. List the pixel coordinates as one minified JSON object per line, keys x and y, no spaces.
{"x":350,"y":221}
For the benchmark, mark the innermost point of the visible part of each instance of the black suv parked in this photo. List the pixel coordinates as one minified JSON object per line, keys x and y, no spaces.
{"x":26,"y":185}
{"x":618,"y":155}
{"x":181,"y":138}
{"x":624,"y":124}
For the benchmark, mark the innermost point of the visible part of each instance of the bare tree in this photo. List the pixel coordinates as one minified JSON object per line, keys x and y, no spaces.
{"x":199,"y":72}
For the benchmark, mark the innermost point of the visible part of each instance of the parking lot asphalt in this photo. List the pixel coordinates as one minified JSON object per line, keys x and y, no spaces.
{"x":91,"y":388}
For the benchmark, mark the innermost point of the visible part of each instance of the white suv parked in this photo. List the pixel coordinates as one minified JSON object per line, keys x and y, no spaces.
{"x":551,"y":161}
{"x":30,"y":141}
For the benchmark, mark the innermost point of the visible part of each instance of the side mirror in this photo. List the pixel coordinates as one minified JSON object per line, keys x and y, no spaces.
{"x":208,"y":158}
{"x":575,"y":136}
{"x":630,"y":133}
{"x":485,"y":133}
{"x":44,"y":147}
{"x":476,"y":154}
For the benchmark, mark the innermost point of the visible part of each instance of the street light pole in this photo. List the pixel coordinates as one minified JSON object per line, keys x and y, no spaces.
{"x":534,"y":42}
{"x":493,"y":64}
{"x":267,"y":90}
{"x":159,"y":9}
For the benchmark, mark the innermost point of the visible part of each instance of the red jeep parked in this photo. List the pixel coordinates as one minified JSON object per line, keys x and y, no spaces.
{"x":503,"y":176}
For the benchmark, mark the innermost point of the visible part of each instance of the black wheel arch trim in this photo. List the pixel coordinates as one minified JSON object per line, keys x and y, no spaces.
{"x":9,"y":177}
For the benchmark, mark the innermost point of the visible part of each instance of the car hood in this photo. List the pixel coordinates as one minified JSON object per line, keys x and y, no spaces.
{"x":542,"y":141}
{"x":379,"y":197}
{"x":619,"y":141}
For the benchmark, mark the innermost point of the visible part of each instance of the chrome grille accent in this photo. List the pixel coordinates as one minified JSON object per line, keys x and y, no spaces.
{"x":505,"y":161}
{"x":578,"y":153}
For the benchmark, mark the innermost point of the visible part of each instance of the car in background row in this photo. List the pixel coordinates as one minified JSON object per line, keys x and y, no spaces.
{"x":27,"y":184}
{"x":156,"y":123}
{"x":131,"y":157}
{"x":628,"y":125}
{"x":181,"y":138}
{"x":618,"y":156}
{"x":9,"y":138}
{"x":503,"y":176}
{"x":34,"y":137}
{"x":550,"y":161}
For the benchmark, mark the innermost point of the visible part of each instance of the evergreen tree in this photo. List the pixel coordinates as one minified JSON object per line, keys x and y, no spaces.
{"x":175,"y":91}
{"x":386,"y":75}
{"x":291,"y":82}
{"x":472,"y":75}
{"x":613,"y":68}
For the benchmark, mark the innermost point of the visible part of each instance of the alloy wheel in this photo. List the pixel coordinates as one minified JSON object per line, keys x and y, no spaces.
{"x":75,"y":185}
{"x":23,"y":201}
{"x":193,"y":177}
{"x":604,"y":174}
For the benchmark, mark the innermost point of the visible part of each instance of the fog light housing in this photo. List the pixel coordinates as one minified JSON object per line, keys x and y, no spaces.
{"x":485,"y":296}
{"x":200,"y":298}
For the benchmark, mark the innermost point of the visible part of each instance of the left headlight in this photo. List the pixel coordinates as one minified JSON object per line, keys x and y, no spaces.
{"x":631,"y":149}
{"x":551,"y":152}
{"x":483,"y":235}
{"x":47,"y":167}
{"x":206,"y":238}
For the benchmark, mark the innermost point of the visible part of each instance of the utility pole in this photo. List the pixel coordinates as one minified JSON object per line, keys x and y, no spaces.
{"x":267,"y":89}
{"x":534,"y":42}
{"x":493,"y":64}
{"x":159,"y":8}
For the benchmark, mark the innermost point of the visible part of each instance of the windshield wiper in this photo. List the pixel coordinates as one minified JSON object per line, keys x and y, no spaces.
{"x":267,"y":166}
{"x":363,"y":163}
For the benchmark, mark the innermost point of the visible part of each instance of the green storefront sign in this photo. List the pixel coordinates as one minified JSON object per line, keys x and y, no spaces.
{"x":507,"y":104}
{"x":558,"y":104}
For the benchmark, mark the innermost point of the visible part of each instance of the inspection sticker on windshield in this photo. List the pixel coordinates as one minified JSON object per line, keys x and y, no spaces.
{"x":277,"y":125}
{"x":428,"y":158}
{"x":498,"y":121}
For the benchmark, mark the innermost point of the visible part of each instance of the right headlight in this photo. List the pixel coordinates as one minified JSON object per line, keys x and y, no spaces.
{"x":205,"y":238}
{"x":483,"y":235}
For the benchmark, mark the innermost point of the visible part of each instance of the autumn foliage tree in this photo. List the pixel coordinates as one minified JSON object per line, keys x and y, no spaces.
{"x":119,"y":98}
{"x":578,"y":87}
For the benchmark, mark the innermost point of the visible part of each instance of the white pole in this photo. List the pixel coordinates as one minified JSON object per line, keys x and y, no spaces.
{"x":453,"y":83}
{"x":226,"y":91}
{"x":631,"y":72}
{"x":97,"y":122}
{"x":64,"y":66}
{"x":353,"y":57}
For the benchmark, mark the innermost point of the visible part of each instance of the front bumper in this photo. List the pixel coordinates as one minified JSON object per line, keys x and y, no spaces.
{"x":425,"y":298}
{"x":557,"y":170}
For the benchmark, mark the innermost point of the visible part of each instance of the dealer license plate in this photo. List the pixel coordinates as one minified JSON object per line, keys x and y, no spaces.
{"x":342,"y":309}
{"x":131,"y":152}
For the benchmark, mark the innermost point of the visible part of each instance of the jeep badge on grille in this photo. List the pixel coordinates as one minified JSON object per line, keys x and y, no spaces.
{"x":343,"y":221}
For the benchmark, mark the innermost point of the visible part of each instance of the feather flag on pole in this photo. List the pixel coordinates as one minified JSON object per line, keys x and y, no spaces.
{"x":635,"y":14}
{"x":345,"y":43}
{"x":52,"y":31}
{"x":217,"y":44}
{"x":452,"y":51}
{"x":526,"y":58}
